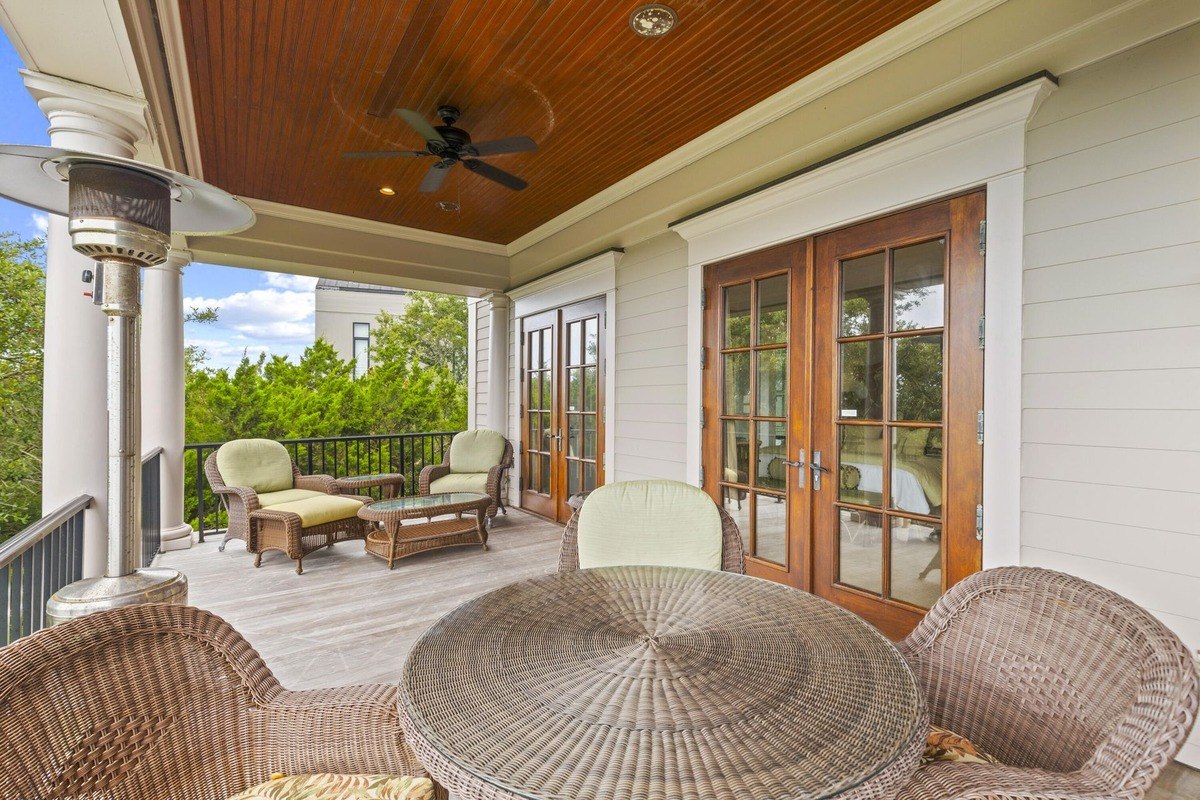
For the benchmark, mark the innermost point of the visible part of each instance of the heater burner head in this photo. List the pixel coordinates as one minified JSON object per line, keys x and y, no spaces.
{"x":119,"y":214}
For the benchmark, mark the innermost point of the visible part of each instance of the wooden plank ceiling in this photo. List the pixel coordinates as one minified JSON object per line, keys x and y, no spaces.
{"x":282,"y":88}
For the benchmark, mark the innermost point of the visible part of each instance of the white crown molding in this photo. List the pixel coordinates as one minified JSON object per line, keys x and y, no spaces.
{"x":591,"y":277}
{"x":314,"y":217}
{"x":888,"y":46}
{"x":171,"y":29}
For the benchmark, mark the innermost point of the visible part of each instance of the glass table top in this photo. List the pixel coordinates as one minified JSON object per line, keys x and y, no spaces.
{"x":428,"y":501}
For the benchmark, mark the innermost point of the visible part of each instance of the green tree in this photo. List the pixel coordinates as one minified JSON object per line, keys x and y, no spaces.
{"x":22,"y":324}
{"x":432,"y":329}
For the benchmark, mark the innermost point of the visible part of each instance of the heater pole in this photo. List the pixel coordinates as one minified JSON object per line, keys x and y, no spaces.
{"x":122,"y":306}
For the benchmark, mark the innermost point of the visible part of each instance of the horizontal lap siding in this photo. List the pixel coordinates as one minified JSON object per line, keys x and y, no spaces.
{"x":651,"y":351}
{"x":482,"y":368}
{"x":1111,"y":351}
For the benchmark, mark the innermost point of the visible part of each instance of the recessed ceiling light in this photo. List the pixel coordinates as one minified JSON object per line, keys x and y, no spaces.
{"x":448,"y":205}
{"x":387,"y":190}
{"x":653,"y":20}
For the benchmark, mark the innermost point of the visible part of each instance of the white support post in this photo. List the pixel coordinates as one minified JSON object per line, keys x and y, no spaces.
{"x":74,"y":412}
{"x":162,"y":388}
{"x":497,"y":403}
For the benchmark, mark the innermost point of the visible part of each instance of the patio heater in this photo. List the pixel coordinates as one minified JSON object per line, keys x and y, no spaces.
{"x":121,"y":214}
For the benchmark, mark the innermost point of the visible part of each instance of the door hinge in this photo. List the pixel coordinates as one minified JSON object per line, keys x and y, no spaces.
{"x":703,"y":357}
{"x":983,"y":237}
{"x":702,"y":418}
{"x":703,"y":299}
{"x":979,"y":427}
{"x":702,"y":477}
{"x":982,"y":331}
{"x":979,"y":522}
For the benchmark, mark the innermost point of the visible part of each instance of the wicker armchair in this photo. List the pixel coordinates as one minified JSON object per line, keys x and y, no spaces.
{"x":1079,"y":692}
{"x":443,"y":477}
{"x":733,"y":550}
{"x":156,"y":701}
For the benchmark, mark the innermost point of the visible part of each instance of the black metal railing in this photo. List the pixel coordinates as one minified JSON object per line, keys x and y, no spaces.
{"x":35,"y":564}
{"x":339,"y":456}
{"x":151,"y":505}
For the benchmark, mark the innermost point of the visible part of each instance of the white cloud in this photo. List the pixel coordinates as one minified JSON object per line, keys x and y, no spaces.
{"x":267,"y":315}
{"x":41,"y":222}
{"x":280,"y":280}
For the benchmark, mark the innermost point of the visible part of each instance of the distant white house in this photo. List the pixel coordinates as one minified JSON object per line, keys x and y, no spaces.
{"x":346,"y":312}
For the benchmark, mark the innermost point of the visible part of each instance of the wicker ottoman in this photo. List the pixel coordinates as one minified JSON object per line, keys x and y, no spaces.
{"x":282,"y":528}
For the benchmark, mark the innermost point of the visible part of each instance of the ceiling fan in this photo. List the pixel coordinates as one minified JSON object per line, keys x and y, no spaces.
{"x":450,"y":146}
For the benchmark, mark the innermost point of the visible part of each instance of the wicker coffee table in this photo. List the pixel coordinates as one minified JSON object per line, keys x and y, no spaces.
{"x":655,"y":682}
{"x":397,"y":540}
{"x":392,"y":483}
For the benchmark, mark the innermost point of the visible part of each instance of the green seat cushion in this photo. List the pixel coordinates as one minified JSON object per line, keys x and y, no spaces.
{"x":321,"y":509}
{"x":660,"y":523}
{"x":267,"y":499}
{"x":476,"y":451}
{"x":340,"y":787}
{"x":260,"y":464}
{"x":460,"y":482}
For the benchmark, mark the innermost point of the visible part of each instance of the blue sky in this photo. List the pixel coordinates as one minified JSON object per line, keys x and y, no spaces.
{"x":258,"y":310}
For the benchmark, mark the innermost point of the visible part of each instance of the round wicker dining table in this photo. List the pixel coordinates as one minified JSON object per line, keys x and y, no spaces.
{"x":660,"y":683}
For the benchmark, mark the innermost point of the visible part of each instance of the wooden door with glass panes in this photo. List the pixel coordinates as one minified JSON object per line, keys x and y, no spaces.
{"x":562,"y":391}
{"x":756,"y":405}
{"x":898,"y":393}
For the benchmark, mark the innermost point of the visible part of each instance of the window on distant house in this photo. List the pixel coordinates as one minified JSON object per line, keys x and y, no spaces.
{"x":362,"y":348}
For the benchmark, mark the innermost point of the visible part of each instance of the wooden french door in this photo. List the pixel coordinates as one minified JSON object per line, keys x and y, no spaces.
{"x":878,"y":459}
{"x":562,"y":406}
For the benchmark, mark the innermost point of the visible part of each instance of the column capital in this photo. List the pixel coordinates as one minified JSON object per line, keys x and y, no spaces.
{"x":84,"y":117}
{"x":177,"y":259}
{"x":499,"y":300}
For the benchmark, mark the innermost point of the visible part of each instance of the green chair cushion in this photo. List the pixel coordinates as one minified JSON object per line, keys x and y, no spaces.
{"x":660,"y":523}
{"x":268,"y":499}
{"x":321,"y":509}
{"x":460,"y":482}
{"x":476,"y":451}
{"x":260,"y":464}
{"x":340,"y":787}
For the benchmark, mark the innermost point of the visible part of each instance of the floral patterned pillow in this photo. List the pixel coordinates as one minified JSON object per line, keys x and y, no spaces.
{"x":340,"y":787}
{"x":944,"y":745}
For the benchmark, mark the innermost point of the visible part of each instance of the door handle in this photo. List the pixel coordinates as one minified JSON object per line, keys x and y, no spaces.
{"x":558,"y":439}
{"x":799,"y":463}
{"x":817,"y":469}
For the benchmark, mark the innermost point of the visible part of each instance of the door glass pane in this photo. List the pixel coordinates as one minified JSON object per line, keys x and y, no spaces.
{"x":574,"y":390}
{"x":863,"y":307}
{"x":918,"y":283}
{"x":589,"y":436}
{"x":860,"y":549}
{"x":770,"y":527}
{"x":737,"y":315}
{"x":545,"y":475}
{"x":589,"y":476}
{"x":574,"y":435}
{"x":547,"y":388}
{"x":589,"y":388}
{"x":772,"y":309}
{"x":917,"y":470}
{"x":535,"y":350}
{"x":772,"y":382}
{"x":737,"y":451}
{"x":737,"y":383}
{"x":535,"y":390}
{"x":770,"y":471}
{"x":546,"y":432}
{"x":918,"y":376}
{"x":862,"y":379}
{"x":533,"y":480}
{"x":546,"y":349}
{"x":737,"y":505}
{"x":860,"y":464}
{"x":572,"y":478}
{"x":592,"y":341}
{"x":916,"y":561}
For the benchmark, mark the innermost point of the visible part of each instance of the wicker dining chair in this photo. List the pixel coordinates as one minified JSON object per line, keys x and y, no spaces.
{"x":1077,"y":691}
{"x":733,"y":550}
{"x":161,"y":701}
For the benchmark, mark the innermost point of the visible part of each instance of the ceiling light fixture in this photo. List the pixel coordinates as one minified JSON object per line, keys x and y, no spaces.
{"x":387,"y":191}
{"x":653,"y":20}
{"x":448,"y":205}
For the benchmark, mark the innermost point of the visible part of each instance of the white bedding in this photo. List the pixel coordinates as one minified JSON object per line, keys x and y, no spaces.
{"x":907,"y":494}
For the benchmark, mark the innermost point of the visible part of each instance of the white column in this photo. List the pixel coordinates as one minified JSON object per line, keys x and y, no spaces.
{"x":162,"y":388}
{"x":497,"y":403}
{"x":74,"y":415}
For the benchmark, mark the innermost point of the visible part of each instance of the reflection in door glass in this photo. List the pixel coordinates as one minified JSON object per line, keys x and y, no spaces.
{"x":917,"y":470}
{"x":770,"y":527}
{"x":860,"y":549}
{"x":737,"y":383}
{"x":860,"y":464}
{"x":771,"y":440}
{"x":918,"y":379}
{"x":916,"y":561}
{"x":737,"y":315}
{"x":918,"y":282}
{"x":737,"y":451}
{"x":863,"y":307}
{"x":861,"y":379}
{"x":772,"y":309}
{"x":772,"y":382}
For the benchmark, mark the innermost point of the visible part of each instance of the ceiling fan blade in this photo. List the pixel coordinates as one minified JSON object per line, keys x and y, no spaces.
{"x":420,"y":125}
{"x":385,"y":154}
{"x":513,"y":144}
{"x":496,"y":174}
{"x":434,"y":178}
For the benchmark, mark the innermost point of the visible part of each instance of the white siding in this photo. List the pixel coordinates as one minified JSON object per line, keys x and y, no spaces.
{"x":1111,"y":394}
{"x":482,"y":341}
{"x":651,"y":351}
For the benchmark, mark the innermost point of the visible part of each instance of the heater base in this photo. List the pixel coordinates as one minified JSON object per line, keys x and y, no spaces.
{"x":150,"y":585}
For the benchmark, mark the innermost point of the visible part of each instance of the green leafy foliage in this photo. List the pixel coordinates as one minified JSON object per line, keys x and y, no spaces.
{"x":22,"y":324}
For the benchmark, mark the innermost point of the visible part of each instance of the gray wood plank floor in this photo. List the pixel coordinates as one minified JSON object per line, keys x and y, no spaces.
{"x":348,"y":620}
